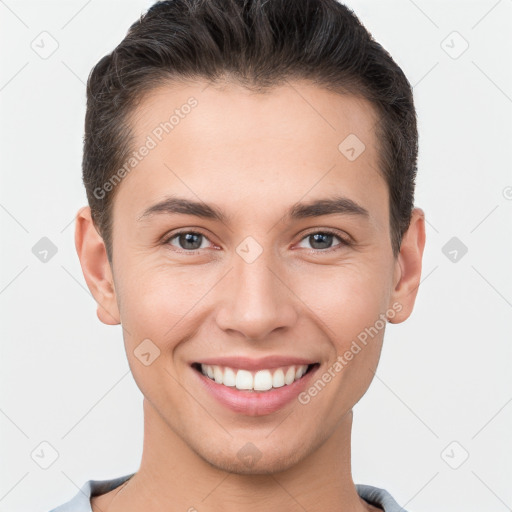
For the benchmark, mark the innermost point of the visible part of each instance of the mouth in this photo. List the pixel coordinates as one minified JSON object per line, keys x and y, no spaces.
{"x":260,"y":381}
{"x":257,"y":392}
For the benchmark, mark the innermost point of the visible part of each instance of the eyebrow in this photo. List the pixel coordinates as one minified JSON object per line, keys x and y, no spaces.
{"x":329,"y":206}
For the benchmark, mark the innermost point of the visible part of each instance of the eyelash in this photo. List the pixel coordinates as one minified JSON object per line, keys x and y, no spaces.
{"x":343,"y":241}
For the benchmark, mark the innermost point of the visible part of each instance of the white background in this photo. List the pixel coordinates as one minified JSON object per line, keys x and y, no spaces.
{"x":444,"y":374}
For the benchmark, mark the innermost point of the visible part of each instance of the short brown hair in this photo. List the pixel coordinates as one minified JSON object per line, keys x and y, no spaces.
{"x":260,"y":44}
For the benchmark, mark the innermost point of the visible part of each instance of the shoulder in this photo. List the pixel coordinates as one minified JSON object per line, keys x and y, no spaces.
{"x":379,"y":498}
{"x":81,"y":501}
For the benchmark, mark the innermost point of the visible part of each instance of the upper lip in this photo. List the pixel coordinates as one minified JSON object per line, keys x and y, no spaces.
{"x":262,"y":363}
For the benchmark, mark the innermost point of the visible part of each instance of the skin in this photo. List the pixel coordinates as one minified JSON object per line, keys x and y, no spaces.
{"x":254,"y":156}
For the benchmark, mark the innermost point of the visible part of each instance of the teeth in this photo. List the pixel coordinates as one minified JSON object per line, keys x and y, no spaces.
{"x":262,"y":380}
{"x":229,"y":378}
{"x":218,"y":375}
{"x":244,"y":380}
{"x":278,"y":379}
{"x":290,"y":375}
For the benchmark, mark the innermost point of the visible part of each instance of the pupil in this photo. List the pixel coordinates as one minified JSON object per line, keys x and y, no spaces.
{"x":190,"y":240}
{"x":322,"y":238}
{"x":187,"y":240}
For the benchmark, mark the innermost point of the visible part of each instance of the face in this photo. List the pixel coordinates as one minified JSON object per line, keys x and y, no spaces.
{"x":247,"y":242}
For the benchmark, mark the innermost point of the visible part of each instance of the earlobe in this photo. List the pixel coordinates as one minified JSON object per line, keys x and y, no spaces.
{"x":96,"y":267}
{"x":408,"y":268}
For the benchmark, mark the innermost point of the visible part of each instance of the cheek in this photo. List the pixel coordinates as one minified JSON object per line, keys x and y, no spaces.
{"x":152,"y":304}
{"x":155,"y":304}
{"x":160,"y":301}
{"x":152,"y":309}
{"x":346,"y":300}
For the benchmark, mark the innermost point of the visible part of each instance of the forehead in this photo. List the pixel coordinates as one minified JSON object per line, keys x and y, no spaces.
{"x":227,"y":144}
{"x":288,"y":112}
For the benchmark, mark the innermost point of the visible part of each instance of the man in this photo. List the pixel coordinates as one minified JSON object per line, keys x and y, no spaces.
{"x":250,"y":168}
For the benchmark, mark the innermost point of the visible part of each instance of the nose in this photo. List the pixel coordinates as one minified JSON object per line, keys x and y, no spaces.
{"x":257,"y":299}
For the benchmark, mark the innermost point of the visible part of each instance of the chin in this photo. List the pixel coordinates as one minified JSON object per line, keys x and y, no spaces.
{"x":249,"y":460}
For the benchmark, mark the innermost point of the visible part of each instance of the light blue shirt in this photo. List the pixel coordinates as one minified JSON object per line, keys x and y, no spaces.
{"x":81,"y":502}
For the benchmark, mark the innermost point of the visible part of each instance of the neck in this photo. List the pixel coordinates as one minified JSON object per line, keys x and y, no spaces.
{"x":173,"y":477}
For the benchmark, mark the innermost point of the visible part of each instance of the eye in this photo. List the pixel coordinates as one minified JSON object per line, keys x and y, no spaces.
{"x":322,"y":240}
{"x":192,"y":241}
{"x":188,"y":241}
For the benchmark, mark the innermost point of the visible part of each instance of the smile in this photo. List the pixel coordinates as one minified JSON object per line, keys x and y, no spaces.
{"x":256,"y":392}
{"x":261,"y":380}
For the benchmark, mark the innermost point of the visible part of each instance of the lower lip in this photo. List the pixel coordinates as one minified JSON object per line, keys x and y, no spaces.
{"x":255,"y":403}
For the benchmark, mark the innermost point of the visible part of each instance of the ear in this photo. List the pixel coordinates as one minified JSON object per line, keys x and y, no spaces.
{"x":406,"y":279}
{"x":96,"y":267}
